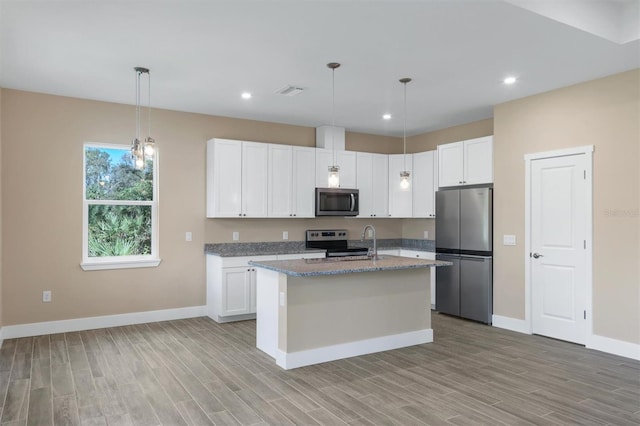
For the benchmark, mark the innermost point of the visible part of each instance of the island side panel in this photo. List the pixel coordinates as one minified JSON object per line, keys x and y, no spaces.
{"x":329,"y":310}
{"x":267,"y":310}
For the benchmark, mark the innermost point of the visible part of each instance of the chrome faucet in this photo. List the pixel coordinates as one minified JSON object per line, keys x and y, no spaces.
{"x":374,"y":255}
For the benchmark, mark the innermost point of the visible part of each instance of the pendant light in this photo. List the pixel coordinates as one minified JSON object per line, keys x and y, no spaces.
{"x":140,"y":149}
{"x":405,"y":183}
{"x":334,"y":170}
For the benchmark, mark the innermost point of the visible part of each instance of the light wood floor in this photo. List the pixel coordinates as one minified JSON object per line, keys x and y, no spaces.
{"x":197,"y":372}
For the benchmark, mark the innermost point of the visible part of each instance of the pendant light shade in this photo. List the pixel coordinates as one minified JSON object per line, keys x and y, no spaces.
{"x":142,"y":149}
{"x":334,"y":170}
{"x":405,"y":175}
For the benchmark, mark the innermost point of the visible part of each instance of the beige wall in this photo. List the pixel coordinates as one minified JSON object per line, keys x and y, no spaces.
{"x":41,"y":166}
{"x":603,"y":113}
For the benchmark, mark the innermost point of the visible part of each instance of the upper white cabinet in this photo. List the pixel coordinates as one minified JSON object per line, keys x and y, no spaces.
{"x":291,"y":181}
{"x":467,"y":162}
{"x":400,"y":201}
{"x":346,"y":160}
{"x":424,"y":185}
{"x":236,"y":178}
{"x":372,"y":171}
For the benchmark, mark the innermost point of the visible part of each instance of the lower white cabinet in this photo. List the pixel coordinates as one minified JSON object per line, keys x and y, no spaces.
{"x":231,"y":285}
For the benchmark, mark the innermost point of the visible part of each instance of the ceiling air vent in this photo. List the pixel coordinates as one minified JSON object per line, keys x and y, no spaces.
{"x":289,"y":90}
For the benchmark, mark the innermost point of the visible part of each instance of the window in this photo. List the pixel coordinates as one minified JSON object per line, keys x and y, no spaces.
{"x":120,"y":209}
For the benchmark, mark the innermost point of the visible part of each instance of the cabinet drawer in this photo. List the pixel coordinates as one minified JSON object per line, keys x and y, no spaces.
{"x":418,"y":254}
{"x":232,"y":262}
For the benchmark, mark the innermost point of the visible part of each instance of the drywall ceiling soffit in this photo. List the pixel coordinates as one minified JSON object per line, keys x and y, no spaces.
{"x":614,"y":20}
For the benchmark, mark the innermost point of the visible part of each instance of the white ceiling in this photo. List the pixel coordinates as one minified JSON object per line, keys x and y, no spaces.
{"x":203,"y":54}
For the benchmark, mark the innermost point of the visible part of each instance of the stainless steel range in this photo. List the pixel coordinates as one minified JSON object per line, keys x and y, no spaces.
{"x":335,"y":242}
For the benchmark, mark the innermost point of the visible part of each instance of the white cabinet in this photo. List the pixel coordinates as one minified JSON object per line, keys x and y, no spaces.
{"x":400,"y":201}
{"x":346,"y":160}
{"x":467,"y":162}
{"x":429,"y":256}
{"x":372,"y":171}
{"x":424,"y":184}
{"x":254,"y":179}
{"x":236,"y":178}
{"x":478,"y":161}
{"x":231,"y":285}
{"x":291,"y":181}
{"x":304,"y":182}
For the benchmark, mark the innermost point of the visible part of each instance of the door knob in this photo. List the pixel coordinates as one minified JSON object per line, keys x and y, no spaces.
{"x":537,"y":255}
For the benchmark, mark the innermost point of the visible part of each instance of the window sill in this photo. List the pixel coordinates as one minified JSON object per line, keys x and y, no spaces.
{"x":120,"y":264}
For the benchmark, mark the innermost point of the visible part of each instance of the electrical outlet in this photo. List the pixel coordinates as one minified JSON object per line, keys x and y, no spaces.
{"x":509,"y":240}
{"x":236,"y":236}
{"x":188,"y":236}
{"x":369,"y":233}
{"x":285,"y":235}
{"x":426,"y":235}
{"x":46,"y":296}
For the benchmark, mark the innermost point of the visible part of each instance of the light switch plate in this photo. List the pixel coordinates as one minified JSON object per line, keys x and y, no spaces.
{"x":188,"y":236}
{"x":236,"y":236}
{"x":285,"y":235}
{"x":509,"y":240}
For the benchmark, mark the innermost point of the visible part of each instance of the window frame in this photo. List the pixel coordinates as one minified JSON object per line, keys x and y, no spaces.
{"x":118,"y":262}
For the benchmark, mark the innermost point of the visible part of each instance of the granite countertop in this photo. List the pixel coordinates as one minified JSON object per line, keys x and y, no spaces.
{"x":294,"y":247}
{"x":315,"y":267}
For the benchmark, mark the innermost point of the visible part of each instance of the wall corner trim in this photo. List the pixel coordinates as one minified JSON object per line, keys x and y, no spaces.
{"x":614,"y":346}
{"x":513,"y":324}
{"x":90,"y":323}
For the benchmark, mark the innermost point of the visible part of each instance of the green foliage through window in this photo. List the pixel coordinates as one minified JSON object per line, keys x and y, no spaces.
{"x":116,"y":228}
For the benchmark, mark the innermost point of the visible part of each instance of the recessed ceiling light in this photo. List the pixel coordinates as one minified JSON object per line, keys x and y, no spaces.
{"x":246,"y":95}
{"x":387,"y":116}
{"x":509,"y":80}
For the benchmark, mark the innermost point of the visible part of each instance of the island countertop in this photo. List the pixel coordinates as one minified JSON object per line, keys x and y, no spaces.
{"x":315,"y":267}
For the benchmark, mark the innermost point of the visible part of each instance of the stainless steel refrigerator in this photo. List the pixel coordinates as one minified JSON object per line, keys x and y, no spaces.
{"x":464,"y":236}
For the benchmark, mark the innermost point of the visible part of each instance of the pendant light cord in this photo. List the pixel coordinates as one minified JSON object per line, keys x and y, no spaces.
{"x":149,"y":106}
{"x":333,"y":114}
{"x":138,"y":105}
{"x":405,"y":127}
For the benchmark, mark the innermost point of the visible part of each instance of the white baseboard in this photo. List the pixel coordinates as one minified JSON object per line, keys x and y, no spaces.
{"x":348,"y":350}
{"x":614,"y":346}
{"x":90,"y":323}
{"x":509,"y":323}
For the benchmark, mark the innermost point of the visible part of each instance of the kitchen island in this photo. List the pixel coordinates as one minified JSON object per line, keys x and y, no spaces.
{"x":312,"y":311}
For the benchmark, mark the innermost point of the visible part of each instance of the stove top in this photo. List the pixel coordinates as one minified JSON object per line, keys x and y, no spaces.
{"x":334,"y":241}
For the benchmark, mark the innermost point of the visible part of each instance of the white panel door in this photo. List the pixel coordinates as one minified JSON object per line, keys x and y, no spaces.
{"x":478,"y":161}
{"x":450,"y":164}
{"x":304,"y":182}
{"x":324,"y":159}
{"x":236,"y":291}
{"x":558,"y":247}
{"x":280,"y":182}
{"x":400,"y":202}
{"x":424,"y":195}
{"x":380,"y":185}
{"x":224,"y":178}
{"x":255,"y":159}
{"x":364,"y":180}
{"x":347,"y":163}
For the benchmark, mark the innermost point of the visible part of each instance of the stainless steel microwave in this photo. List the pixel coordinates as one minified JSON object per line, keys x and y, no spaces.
{"x":337,"y":202}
